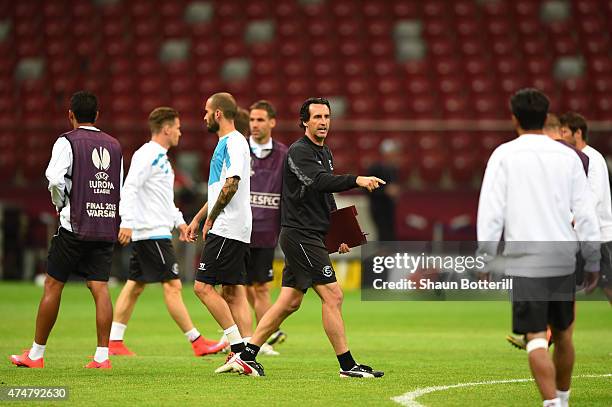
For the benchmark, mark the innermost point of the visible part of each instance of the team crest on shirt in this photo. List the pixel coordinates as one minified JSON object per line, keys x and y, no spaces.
{"x":175,"y":268}
{"x":328,"y":271}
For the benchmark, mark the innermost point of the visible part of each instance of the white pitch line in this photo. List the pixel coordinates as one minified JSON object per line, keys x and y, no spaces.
{"x":409,"y":399}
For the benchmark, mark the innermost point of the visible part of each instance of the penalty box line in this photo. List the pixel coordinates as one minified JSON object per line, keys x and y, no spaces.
{"x":409,"y":399}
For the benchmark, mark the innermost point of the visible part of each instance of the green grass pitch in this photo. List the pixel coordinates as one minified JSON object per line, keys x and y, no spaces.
{"x":417,"y":344}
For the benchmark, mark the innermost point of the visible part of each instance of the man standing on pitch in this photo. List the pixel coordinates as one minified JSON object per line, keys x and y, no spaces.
{"x":307,"y":200}
{"x":84,"y":173}
{"x":532,"y":188}
{"x":227,"y":228}
{"x":575,"y":131}
{"x":148,"y":215}
{"x":267,"y":159}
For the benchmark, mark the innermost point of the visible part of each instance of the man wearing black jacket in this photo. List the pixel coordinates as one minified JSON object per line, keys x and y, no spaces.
{"x":307,"y":200}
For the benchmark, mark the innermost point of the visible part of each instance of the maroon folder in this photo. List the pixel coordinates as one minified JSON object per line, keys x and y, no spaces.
{"x":344,"y":228}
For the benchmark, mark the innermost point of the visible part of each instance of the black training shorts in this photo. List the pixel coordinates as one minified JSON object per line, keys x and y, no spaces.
{"x":307,"y":262}
{"x":223,"y":261}
{"x":259,"y":265}
{"x":153,"y":261}
{"x":69,"y":254}
{"x":532,"y":313}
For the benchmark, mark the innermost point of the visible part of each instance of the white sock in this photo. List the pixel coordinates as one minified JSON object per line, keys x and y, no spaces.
{"x":246,"y":339}
{"x":101,"y":354}
{"x":117,"y":331}
{"x":556,"y":402}
{"x":36,"y":351}
{"x":233,"y":335}
{"x":193,"y":334}
{"x":564,"y":397}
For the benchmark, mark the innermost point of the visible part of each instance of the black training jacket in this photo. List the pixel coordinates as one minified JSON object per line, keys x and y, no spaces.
{"x":308,"y":184}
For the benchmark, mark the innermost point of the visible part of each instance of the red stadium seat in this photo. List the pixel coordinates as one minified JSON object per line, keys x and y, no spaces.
{"x":450,"y":84}
{"x":405,"y":9}
{"x":471,"y":47}
{"x":356,"y":67}
{"x":463,"y":166}
{"x":476,"y":66}
{"x":375,"y":9}
{"x":465,"y":8}
{"x":264,"y":66}
{"x":357,"y":86}
{"x":418,"y":85}
{"x":441,"y":46}
{"x":456,"y":106}
{"x":297,"y":86}
{"x":393,"y":107}
{"x":329,"y":86}
{"x":424,"y":106}
{"x":269,"y":86}
{"x":489,"y":106}
{"x":364,"y":106}
{"x":430,"y":141}
{"x":460,"y":141}
{"x":526,"y":8}
{"x":431,"y":167}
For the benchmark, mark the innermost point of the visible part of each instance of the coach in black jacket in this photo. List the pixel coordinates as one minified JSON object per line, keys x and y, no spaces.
{"x":307,"y":200}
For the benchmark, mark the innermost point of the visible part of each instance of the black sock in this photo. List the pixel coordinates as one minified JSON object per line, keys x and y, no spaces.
{"x":346,"y":361}
{"x":250,"y":352}
{"x":237,"y":348}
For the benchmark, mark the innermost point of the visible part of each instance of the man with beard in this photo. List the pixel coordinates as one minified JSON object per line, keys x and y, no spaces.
{"x":227,"y":226}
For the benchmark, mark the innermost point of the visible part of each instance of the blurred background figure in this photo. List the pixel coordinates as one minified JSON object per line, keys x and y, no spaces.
{"x":242,"y":122}
{"x":382,"y":200}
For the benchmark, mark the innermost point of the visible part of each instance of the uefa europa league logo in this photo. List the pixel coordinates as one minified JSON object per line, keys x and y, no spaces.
{"x":101,"y":158}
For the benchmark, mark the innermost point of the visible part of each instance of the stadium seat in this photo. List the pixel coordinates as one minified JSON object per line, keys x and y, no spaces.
{"x":431,"y":166}
{"x":463,"y":166}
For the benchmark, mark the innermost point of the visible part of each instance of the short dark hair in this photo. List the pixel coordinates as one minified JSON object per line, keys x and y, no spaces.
{"x":264,"y":105}
{"x":160,"y":116}
{"x":530,"y":107}
{"x":305,"y":109}
{"x":241,"y":122}
{"x":226,"y":103}
{"x":575,"y":121}
{"x":84,"y":106}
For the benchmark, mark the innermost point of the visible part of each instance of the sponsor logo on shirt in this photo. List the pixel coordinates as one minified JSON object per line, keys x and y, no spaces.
{"x":265,"y":200}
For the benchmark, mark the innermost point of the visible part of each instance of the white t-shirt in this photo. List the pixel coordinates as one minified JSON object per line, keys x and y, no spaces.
{"x":600,"y":184}
{"x":532,"y":189}
{"x":231,"y":158}
{"x":147,"y":198}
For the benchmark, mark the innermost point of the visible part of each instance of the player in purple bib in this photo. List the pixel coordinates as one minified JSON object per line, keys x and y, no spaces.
{"x":267,"y":160}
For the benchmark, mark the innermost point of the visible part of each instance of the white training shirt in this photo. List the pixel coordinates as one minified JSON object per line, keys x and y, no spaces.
{"x":532,"y":189}
{"x":147,"y":198}
{"x":59,"y":167}
{"x":231,"y":158}
{"x":599,"y":180}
